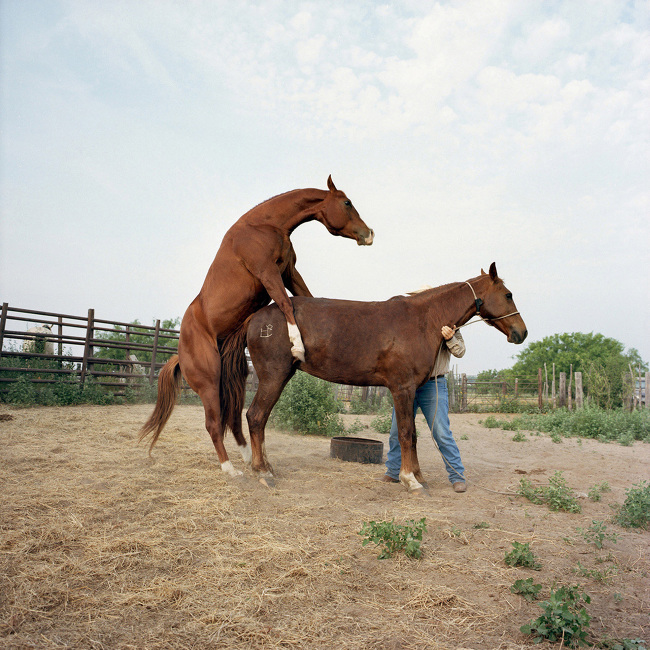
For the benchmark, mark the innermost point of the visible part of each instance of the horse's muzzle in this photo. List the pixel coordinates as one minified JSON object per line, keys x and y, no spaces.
{"x":366,"y":239}
{"x":517,"y":337}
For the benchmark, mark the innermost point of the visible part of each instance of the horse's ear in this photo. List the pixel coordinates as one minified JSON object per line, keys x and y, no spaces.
{"x":330,"y":184}
{"x":483,"y":272}
{"x":493,"y":271}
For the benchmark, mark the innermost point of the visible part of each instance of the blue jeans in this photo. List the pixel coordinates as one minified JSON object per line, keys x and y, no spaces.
{"x":425,"y":398}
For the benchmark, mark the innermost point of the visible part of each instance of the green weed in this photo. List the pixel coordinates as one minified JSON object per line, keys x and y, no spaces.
{"x":596,"y":534}
{"x":596,"y":492}
{"x":564,"y":618}
{"x":526,"y":588}
{"x":556,"y":495}
{"x":521,"y":555}
{"x":393,"y":538}
{"x":635,"y":511}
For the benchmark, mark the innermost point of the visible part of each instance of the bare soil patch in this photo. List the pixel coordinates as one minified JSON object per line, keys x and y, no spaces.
{"x":103,"y":547}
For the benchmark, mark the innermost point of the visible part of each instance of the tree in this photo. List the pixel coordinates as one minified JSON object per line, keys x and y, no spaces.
{"x":137,"y":335}
{"x":603,"y":361}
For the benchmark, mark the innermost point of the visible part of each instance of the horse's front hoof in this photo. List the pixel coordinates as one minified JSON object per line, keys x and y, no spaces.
{"x":227,"y":468}
{"x":267,"y":481}
{"x":419,"y":493}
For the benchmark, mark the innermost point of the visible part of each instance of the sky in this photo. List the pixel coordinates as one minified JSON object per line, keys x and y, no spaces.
{"x":134,"y":134}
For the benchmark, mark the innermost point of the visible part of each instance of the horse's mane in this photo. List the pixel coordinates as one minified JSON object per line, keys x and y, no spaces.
{"x":431,"y":291}
{"x":277,"y":196}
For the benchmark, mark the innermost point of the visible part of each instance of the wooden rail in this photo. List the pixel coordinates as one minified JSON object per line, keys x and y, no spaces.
{"x":80,"y":349}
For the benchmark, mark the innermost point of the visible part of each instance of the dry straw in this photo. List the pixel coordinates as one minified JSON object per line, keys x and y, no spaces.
{"x":102,"y":547}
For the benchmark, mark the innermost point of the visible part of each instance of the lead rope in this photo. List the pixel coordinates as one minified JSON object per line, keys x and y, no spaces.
{"x":478,"y":302}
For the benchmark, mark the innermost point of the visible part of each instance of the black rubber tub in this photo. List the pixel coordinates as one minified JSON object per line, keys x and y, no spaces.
{"x":357,"y":450}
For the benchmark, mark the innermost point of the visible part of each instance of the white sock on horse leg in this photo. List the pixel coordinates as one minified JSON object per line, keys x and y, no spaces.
{"x":409,"y":481}
{"x":297,"y":347}
{"x":229,"y":469}
{"x":246,"y":453}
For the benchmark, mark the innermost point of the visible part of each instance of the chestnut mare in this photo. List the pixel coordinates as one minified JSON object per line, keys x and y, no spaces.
{"x":392,"y":343}
{"x":255,"y":264}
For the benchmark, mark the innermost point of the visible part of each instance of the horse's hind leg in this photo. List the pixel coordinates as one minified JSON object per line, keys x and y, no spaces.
{"x":202,"y":370}
{"x":267,"y":395}
{"x":244,"y":447}
{"x":210,"y":399}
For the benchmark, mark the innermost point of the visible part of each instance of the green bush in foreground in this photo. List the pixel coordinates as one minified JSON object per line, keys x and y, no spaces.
{"x":394,"y":538}
{"x":308,"y":406}
{"x":564,"y":619}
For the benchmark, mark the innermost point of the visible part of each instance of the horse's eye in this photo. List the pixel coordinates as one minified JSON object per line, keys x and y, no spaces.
{"x":509,"y":296}
{"x":348,"y":203}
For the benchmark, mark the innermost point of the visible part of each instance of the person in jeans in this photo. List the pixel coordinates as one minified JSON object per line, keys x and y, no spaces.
{"x":425,"y":398}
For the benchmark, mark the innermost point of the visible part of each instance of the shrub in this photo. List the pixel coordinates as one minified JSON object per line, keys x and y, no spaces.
{"x":521,"y":555}
{"x":308,"y":406}
{"x":596,"y":492}
{"x":556,"y":495}
{"x":526,"y":588}
{"x":605,"y":425}
{"x":22,"y":392}
{"x":394,"y":538}
{"x":635,"y":511}
{"x":383,"y":421}
{"x":564,"y":618}
{"x":597,"y":534}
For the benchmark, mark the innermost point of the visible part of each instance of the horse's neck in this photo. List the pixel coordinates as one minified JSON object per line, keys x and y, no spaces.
{"x":454,"y":304}
{"x":287,"y":211}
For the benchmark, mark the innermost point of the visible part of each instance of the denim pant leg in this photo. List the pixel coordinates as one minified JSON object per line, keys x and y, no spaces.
{"x":394,"y":455}
{"x":426,"y":397}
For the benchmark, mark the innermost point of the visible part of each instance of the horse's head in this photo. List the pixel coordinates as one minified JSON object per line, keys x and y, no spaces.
{"x":340,"y":217}
{"x":499,"y":309}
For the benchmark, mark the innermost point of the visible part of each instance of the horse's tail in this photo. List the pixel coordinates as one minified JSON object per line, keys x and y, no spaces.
{"x":234,"y":370}
{"x":169,"y":386}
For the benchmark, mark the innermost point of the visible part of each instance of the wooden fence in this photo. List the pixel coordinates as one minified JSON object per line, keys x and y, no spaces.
{"x":78,"y":349}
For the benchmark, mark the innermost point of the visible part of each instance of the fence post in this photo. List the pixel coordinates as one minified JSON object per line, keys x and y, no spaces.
{"x":516,"y":387}
{"x":3,"y":320}
{"x":88,"y":348}
{"x":463,"y":392}
{"x":562,"y":396}
{"x":579,"y":397}
{"x":540,"y":401}
{"x":152,"y":370}
{"x":647,"y":397}
{"x":553,"y":389}
{"x":569,"y":396}
{"x":60,"y":336}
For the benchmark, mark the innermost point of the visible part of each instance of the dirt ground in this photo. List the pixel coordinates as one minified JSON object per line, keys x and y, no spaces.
{"x":103,"y":547}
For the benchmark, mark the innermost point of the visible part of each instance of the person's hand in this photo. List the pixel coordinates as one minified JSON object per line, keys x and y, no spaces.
{"x":447,"y":332}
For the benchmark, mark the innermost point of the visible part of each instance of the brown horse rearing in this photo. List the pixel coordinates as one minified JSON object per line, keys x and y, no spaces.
{"x":392,"y":343}
{"x":256,"y":263}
